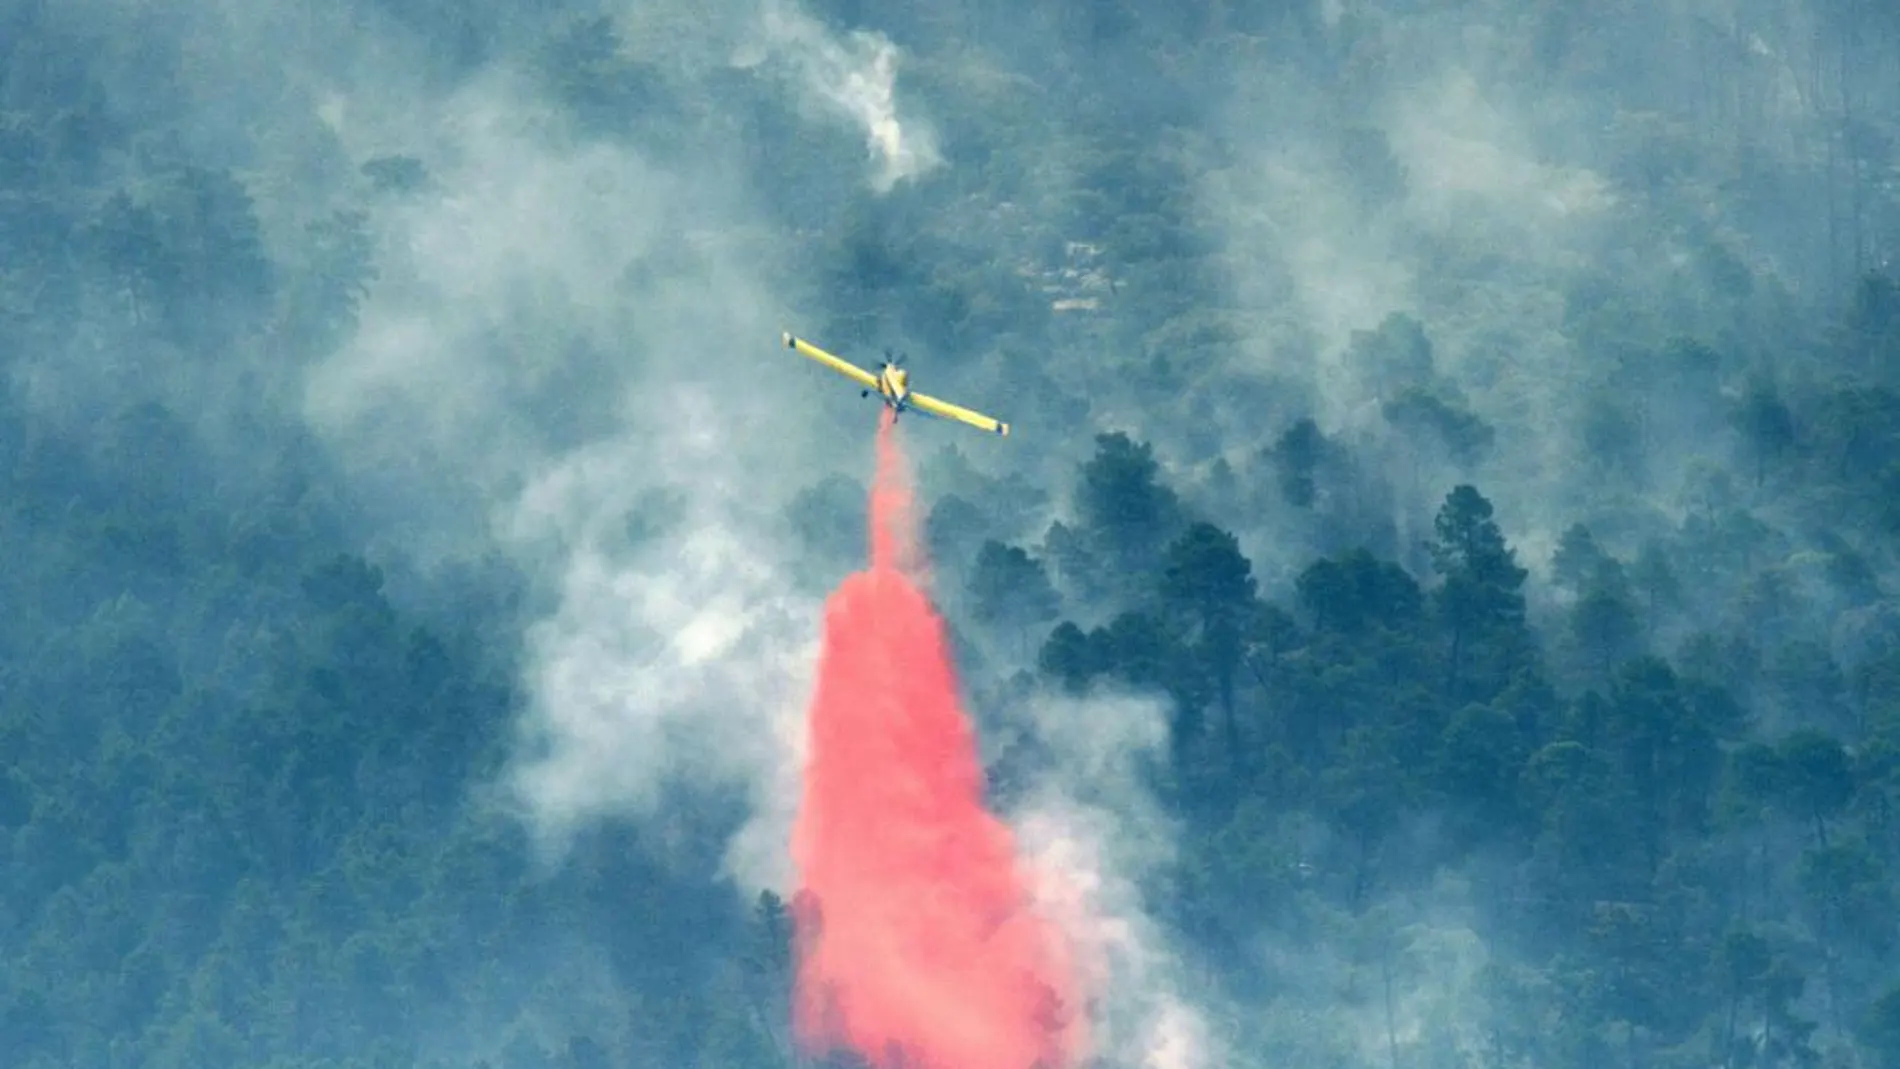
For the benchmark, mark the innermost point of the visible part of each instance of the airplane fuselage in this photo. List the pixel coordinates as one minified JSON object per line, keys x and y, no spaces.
{"x":893,"y":384}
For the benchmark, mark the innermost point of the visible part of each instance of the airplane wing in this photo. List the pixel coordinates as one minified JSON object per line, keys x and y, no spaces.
{"x":843,"y":367}
{"x":946,"y":410}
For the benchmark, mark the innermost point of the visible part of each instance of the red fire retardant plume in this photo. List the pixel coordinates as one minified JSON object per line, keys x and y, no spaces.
{"x":917,"y":943}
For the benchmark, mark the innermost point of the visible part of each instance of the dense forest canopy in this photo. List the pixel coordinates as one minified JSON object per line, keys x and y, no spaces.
{"x":1437,"y":607}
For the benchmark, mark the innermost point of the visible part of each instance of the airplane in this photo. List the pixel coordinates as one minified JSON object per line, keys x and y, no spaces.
{"x":892,"y":384}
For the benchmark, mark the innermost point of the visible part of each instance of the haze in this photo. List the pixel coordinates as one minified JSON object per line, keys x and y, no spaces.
{"x":1436,"y":606}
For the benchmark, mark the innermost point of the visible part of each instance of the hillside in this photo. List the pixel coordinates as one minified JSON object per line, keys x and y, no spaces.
{"x":1439,"y":596}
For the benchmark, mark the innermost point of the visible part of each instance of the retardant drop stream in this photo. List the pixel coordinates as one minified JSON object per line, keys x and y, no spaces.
{"x":918,"y":945}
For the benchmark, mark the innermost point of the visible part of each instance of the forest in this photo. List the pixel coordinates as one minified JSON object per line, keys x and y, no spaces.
{"x":1440,"y":597}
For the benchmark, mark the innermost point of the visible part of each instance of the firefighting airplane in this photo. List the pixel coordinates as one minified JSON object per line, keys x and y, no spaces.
{"x":892,"y":383}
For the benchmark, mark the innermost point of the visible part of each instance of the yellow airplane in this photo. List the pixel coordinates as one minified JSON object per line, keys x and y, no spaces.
{"x":892,"y":383}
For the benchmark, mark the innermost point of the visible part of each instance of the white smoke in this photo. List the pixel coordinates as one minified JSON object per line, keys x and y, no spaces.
{"x":540,"y":345}
{"x":683,"y":658}
{"x":856,"y":77}
{"x":1093,"y":835}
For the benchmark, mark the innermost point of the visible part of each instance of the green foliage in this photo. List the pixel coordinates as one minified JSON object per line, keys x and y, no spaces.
{"x":1396,"y":698}
{"x":1881,"y":1029}
{"x":1126,"y":515}
{"x":1296,"y":457}
{"x":1011,"y":590}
